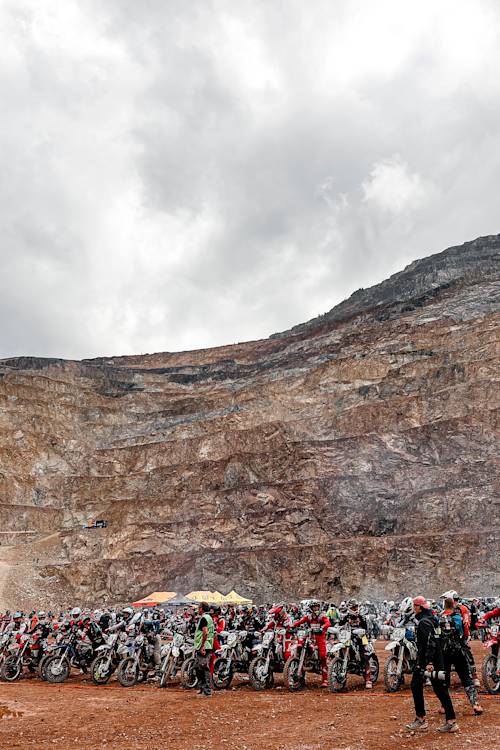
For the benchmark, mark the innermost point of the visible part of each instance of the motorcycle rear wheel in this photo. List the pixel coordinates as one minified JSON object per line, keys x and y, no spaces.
{"x":128,"y":672}
{"x":99,"y":675}
{"x":337,"y":678}
{"x":57,"y":670}
{"x":491,"y":680}
{"x":257,"y":681}
{"x":222,"y":676}
{"x":392,"y":681}
{"x":291,"y":677}
{"x":11,"y":669}
{"x":189,"y":678}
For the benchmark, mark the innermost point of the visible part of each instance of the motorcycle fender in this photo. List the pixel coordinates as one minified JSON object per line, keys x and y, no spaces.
{"x":337,"y":648}
{"x":391,"y":646}
{"x":488,"y":644}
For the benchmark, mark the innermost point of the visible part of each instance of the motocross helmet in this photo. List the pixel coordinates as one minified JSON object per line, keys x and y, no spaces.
{"x":277,"y":612}
{"x":127,"y":613}
{"x":76,"y":612}
{"x":17,"y":616}
{"x":353,"y":606}
{"x":315,"y":606}
{"x":406,"y":606}
{"x":451,"y":594}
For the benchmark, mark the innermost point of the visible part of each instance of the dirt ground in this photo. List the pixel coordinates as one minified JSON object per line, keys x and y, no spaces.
{"x":81,"y":716}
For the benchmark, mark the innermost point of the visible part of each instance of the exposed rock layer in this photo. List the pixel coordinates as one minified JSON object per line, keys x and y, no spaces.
{"x":356,"y":453}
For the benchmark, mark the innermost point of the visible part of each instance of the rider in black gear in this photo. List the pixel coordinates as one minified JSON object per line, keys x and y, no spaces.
{"x":355,"y":619}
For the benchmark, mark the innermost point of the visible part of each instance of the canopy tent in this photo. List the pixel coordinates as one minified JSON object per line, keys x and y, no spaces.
{"x":212,"y":597}
{"x":154,"y":599}
{"x":215,"y":597}
{"x":234,"y":598}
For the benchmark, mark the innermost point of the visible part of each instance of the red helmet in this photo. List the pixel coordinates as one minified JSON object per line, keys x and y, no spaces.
{"x":276,"y":610}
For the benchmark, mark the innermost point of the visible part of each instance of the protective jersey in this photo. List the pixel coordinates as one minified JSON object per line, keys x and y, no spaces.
{"x":492,"y":613}
{"x":321,"y":623}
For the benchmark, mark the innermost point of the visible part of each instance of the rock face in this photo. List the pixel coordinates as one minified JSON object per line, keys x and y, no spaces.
{"x":355,"y":454}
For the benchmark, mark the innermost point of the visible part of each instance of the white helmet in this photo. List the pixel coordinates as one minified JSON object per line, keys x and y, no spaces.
{"x":406,"y":605}
{"x":449,"y":595}
{"x":76,"y":612}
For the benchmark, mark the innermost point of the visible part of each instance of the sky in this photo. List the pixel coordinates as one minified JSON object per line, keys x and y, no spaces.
{"x":180,"y":174}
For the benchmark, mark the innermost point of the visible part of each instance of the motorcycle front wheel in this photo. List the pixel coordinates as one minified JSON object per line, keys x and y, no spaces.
{"x":56,"y":669}
{"x":222,"y":676}
{"x":337,"y":678}
{"x":189,"y":679}
{"x":491,"y":680}
{"x":392,"y":680}
{"x":293,"y":681}
{"x":128,"y":672}
{"x":374,"y":667}
{"x":11,"y":669}
{"x":101,"y":670}
{"x":166,"y":668}
{"x":259,"y":680}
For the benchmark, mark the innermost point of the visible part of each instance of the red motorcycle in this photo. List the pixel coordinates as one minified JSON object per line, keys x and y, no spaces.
{"x":24,"y":652}
{"x":491,"y":663}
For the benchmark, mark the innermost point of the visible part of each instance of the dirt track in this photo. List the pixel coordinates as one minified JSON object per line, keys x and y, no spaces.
{"x":81,"y":716}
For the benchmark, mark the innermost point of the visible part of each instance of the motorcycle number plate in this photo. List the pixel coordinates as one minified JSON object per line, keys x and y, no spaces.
{"x":175,"y":651}
{"x":364,"y":640}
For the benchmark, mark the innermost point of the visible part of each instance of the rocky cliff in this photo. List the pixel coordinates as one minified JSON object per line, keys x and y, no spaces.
{"x":355,"y":454}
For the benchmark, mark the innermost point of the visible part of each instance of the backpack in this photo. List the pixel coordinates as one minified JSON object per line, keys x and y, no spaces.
{"x":451,"y":631}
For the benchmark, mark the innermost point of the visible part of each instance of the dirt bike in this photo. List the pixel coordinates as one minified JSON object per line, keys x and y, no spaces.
{"x":346,"y":658}
{"x":491,"y":662}
{"x":74,"y":652}
{"x":5,"y":643}
{"x":232,"y":657}
{"x":401,"y":660}
{"x":108,"y":656}
{"x":24,"y":652}
{"x":138,"y":664}
{"x":269,"y":657}
{"x":304,"y":657}
{"x":173,"y":657}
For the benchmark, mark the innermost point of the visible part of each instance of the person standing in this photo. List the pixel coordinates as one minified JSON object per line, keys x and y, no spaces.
{"x":429,"y":658}
{"x":204,"y":644}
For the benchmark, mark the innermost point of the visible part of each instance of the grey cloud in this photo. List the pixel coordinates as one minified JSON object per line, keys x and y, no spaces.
{"x":177,"y":175}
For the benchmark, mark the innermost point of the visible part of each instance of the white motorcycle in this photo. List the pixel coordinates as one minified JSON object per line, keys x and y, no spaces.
{"x":173,"y":656}
{"x":402,"y":659}
{"x":346,"y":658}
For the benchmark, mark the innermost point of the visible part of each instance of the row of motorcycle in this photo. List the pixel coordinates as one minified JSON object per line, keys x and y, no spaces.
{"x":131,"y":655}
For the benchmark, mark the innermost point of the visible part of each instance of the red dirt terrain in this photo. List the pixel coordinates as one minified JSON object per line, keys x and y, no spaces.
{"x":79,"y":715}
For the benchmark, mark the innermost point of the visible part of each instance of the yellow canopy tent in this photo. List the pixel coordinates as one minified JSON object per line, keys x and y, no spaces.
{"x":212,"y":597}
{"x":234,"y":598}
{"x":157,"y":597}
{"x":201,"y":596}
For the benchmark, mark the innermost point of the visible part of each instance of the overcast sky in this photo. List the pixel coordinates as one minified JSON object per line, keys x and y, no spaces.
{"x":177,"y":174}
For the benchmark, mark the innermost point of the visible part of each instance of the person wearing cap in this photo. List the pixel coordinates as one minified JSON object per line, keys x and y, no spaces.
{"x":430,"y":659}
{"x":203,"y":645}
